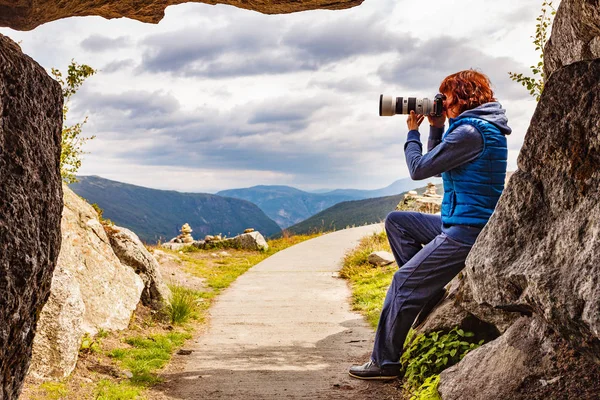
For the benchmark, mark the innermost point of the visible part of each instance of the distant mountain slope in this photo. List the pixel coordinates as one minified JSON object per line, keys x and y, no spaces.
{"x":286,"y":205}
{"x":397,"y":187}
{"x":158,"y":214}
{"x":350,"y":213}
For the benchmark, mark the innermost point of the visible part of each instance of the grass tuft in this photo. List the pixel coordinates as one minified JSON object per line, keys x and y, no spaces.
{"x":184,"y":305}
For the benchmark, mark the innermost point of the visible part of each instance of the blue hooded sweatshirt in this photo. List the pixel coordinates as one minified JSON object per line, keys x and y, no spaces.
{"x":463,"y":145}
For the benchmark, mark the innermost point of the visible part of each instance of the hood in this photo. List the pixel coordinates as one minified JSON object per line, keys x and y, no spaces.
{"x":491,"y":112}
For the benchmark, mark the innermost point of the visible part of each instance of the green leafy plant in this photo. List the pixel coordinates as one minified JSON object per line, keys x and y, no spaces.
{"x":72,"y":141}
{"x":535,"y":83}
{"x":428,"y":355}
{"x":428,"y":390}
{"x":90,"y":344}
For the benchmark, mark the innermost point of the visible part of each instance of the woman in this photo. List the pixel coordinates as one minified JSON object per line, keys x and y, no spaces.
{"x":431,"y":249}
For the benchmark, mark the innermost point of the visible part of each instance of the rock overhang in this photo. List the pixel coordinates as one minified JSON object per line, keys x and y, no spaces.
{"x":28,"y":14}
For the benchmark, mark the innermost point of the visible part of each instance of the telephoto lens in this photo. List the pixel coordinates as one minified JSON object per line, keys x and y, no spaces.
{"x":390,"y":105}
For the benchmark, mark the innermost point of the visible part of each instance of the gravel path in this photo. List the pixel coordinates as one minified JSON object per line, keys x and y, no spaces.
{"x":283,"y":330}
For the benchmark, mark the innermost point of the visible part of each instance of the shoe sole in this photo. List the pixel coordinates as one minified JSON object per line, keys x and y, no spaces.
{"x":373,"y":378}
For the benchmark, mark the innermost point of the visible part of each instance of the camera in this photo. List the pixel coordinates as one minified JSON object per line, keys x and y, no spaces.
{"x":389,"y":105}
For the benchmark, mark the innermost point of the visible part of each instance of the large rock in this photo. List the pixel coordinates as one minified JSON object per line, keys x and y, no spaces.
{"x":60,"y":329}
{"x":89,"y":274}
{"x":459,"y":309}
{"x":132,"y":252}
{"x":27,"y":14}
{"x":110,"y":290}
{"x":528,"y":362}
{"x":540,"y":252}
{"x":575,"y":34}
{"x":30,"y":205}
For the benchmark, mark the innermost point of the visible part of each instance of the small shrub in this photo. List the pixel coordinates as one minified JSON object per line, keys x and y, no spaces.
{"x":430,"y":354}
{"x":184,"y":304}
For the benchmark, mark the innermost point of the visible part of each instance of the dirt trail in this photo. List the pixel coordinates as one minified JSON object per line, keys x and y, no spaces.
{"x":283,"y":330}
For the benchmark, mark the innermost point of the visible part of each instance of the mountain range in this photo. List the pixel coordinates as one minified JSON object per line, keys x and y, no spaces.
{"x":159,"y":214}
{"x":350,"y":213}
{"x":289,"y":206}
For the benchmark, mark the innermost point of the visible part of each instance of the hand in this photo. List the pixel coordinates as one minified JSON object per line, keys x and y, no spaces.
{"x":414,"y":121}
{"x":437,"y":122}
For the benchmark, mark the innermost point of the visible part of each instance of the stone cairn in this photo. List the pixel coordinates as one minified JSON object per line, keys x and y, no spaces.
{"x":185,"y":236}
{"x":429,"y":202}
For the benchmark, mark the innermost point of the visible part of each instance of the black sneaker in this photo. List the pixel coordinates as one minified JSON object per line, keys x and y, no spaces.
{"x":370,"y":370}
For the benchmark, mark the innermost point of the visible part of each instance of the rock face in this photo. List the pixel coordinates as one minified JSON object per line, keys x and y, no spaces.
{"x":540,"y":252}
{"x":575,"y":34}
{"x":131,"y":252}
{"x":30,"y":205}
{"x":460,"y":309}
{"x":26,"y":15}
{"x":528,"y":362}
{"x":91,"y":290}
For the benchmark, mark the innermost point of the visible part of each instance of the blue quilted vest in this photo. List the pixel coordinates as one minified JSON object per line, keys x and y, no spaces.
{"x":472,"y":190}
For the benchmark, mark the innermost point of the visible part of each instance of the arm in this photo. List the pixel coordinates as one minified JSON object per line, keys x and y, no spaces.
{"x":463,"y":145}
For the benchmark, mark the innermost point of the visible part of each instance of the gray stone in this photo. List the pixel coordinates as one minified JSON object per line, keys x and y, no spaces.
{"x":30,"y":205}
{"x":540,"y":252}
{"x":132,"y":252}
{"x":381,"y":258}
{"x":575,"y":35}
{"x":248,"y":241}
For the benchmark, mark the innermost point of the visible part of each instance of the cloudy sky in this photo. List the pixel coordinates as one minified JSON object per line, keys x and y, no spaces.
{"x":215,"y":97}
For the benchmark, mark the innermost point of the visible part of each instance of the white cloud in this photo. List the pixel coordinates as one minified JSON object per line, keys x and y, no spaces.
{"x":216,"y":97}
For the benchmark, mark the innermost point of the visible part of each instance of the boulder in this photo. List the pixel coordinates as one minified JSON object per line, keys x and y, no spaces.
{"x":110,"y":290}
{"x":30,"y":204}
{"x":459,"y":309}
{"x":381,"y":258}
{"x":132,"y":252}
{"x":26,"y":15}
{"x":60,"y":329}
{"x":528,"y":362}
{"x":575,"y":35}
{"x":540,"y":251}
{"x":248,"y":241}
{"x":91,"y":290}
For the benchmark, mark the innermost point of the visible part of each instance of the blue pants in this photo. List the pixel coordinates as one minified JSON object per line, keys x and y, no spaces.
{"x":428,"y":259}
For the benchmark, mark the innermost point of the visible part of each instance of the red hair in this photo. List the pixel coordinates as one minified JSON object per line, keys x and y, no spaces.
{"x":469,"y":89}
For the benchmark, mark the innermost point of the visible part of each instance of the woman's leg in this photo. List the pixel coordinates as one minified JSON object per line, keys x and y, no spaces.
{"x":427,"y":272}
{"x":409,"y":231}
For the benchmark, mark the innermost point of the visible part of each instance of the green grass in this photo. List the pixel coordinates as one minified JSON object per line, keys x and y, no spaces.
{"x":148,"y":354}
{"x":108,"y":390}
{"x":369,"y":284}
{"x":184,"y":304}
{"x":54,"y":390}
